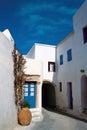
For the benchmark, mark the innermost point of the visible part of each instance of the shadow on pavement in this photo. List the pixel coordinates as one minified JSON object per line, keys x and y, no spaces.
{"x":53,"y":109}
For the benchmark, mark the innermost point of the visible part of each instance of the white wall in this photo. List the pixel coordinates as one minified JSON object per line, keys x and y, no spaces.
{"x":70,"y":71}
{"x":65,"y":72}
{"x":7,"y":106}
{"x":46,"y":53}
{"x":80,"y":21}
{"x":31,"y":53}
{"x":33,"y":67}
{"x":80,"y":49}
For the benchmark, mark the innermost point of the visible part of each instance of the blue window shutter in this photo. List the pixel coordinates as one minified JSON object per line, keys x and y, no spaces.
{"x":69,"y":55}
{"x":61,"y":59}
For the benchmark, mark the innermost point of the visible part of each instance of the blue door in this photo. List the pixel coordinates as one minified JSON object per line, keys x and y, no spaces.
{"x":30,"y":93}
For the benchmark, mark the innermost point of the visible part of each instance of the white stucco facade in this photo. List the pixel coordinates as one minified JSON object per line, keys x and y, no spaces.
{"x":79,"y":22}
{"x":33,"y":67}
{"x":44,"y":53}
{"x":8,"y":113}
{"x":71,"y":71}
{"x":33,"y":70}
{"x":65,"y":72}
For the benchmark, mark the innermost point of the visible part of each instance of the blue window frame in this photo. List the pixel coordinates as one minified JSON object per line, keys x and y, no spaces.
{"x":69,"y":55}
{"x":61,"y":59}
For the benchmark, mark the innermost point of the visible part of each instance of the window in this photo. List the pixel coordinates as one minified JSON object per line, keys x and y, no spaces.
{"x":85,"y":34}
{"x":32,"y":89}
{"x":69,"y":55}
{"x":61,"y":59}
{"x":26,"y":90}
{"x":60,"y":86}
{"x":51,"y":66}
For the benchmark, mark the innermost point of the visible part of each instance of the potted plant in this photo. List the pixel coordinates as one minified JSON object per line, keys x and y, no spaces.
{"x":24,"y":115}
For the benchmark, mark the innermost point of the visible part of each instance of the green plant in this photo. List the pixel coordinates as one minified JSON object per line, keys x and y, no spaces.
{"x":24,"y":104}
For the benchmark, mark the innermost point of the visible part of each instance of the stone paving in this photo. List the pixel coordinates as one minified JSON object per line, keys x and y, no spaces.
{"x":55,"y":121}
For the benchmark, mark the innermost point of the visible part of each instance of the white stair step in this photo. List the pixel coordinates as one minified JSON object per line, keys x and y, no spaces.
{"x":36,"y":118}
{"x":35,"y":114}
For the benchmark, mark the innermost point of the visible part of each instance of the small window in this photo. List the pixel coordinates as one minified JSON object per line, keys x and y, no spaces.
{"x":26,"y":94}
{"x":31,"y":93}
{"x":51,"y":66}
{"x":85,"y":34}
{"x":26,"y":85}
{"x":61,"y":59}
{"x":26,"y":89}
{"x":69,"y":55}
{"x":60,"y":86}
{"x":32,"y":84}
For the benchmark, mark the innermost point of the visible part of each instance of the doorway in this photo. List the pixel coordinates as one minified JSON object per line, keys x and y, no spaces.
{"x":48,"y":95}
{"x":70,"y":95}
{"x":84,"y":92}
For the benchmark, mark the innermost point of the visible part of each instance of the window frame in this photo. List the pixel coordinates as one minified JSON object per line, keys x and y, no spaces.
{"x":69,"y":55}
{"x":49,"y":66}
{"x":60,"y":86}
{"x":85,"y":34}
{"x":61,"y":59}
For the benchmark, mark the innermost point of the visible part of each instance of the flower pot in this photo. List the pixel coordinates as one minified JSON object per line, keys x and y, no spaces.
{"x":24,"y":116}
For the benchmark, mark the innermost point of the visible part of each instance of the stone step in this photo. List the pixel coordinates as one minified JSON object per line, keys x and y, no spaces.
{"x":36,"y":115}
{"x":34,"y":119}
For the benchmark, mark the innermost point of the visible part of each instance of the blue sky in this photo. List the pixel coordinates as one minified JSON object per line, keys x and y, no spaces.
{"x":37,"y":21}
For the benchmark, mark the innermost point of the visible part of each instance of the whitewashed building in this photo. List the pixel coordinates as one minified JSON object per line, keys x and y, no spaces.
{"x":65,"y":71}
{"x":72,"y":65}
{"x":47,"y":55}
{"x":8,"y":113}
{"x":32,"y":92}
{"x":65,"y":67}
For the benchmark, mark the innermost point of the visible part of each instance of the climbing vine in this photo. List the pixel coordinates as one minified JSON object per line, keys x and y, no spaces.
{"x":19,"y":78}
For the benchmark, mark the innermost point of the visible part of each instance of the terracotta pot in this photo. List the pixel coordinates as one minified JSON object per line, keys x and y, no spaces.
{"x":24,"y":116}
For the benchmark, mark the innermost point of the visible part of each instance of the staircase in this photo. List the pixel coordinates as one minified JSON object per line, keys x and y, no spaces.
{"x":36,"y":114}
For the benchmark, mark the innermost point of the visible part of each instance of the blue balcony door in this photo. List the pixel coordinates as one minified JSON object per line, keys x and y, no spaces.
{"x":30,"y":93}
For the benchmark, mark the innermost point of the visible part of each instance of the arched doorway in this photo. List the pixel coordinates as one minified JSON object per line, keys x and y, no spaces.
{"x":84,"y":91}
{"x":48,"y":95}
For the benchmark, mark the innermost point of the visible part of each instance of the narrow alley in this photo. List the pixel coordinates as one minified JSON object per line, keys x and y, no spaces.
{"x":54,"y":121}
